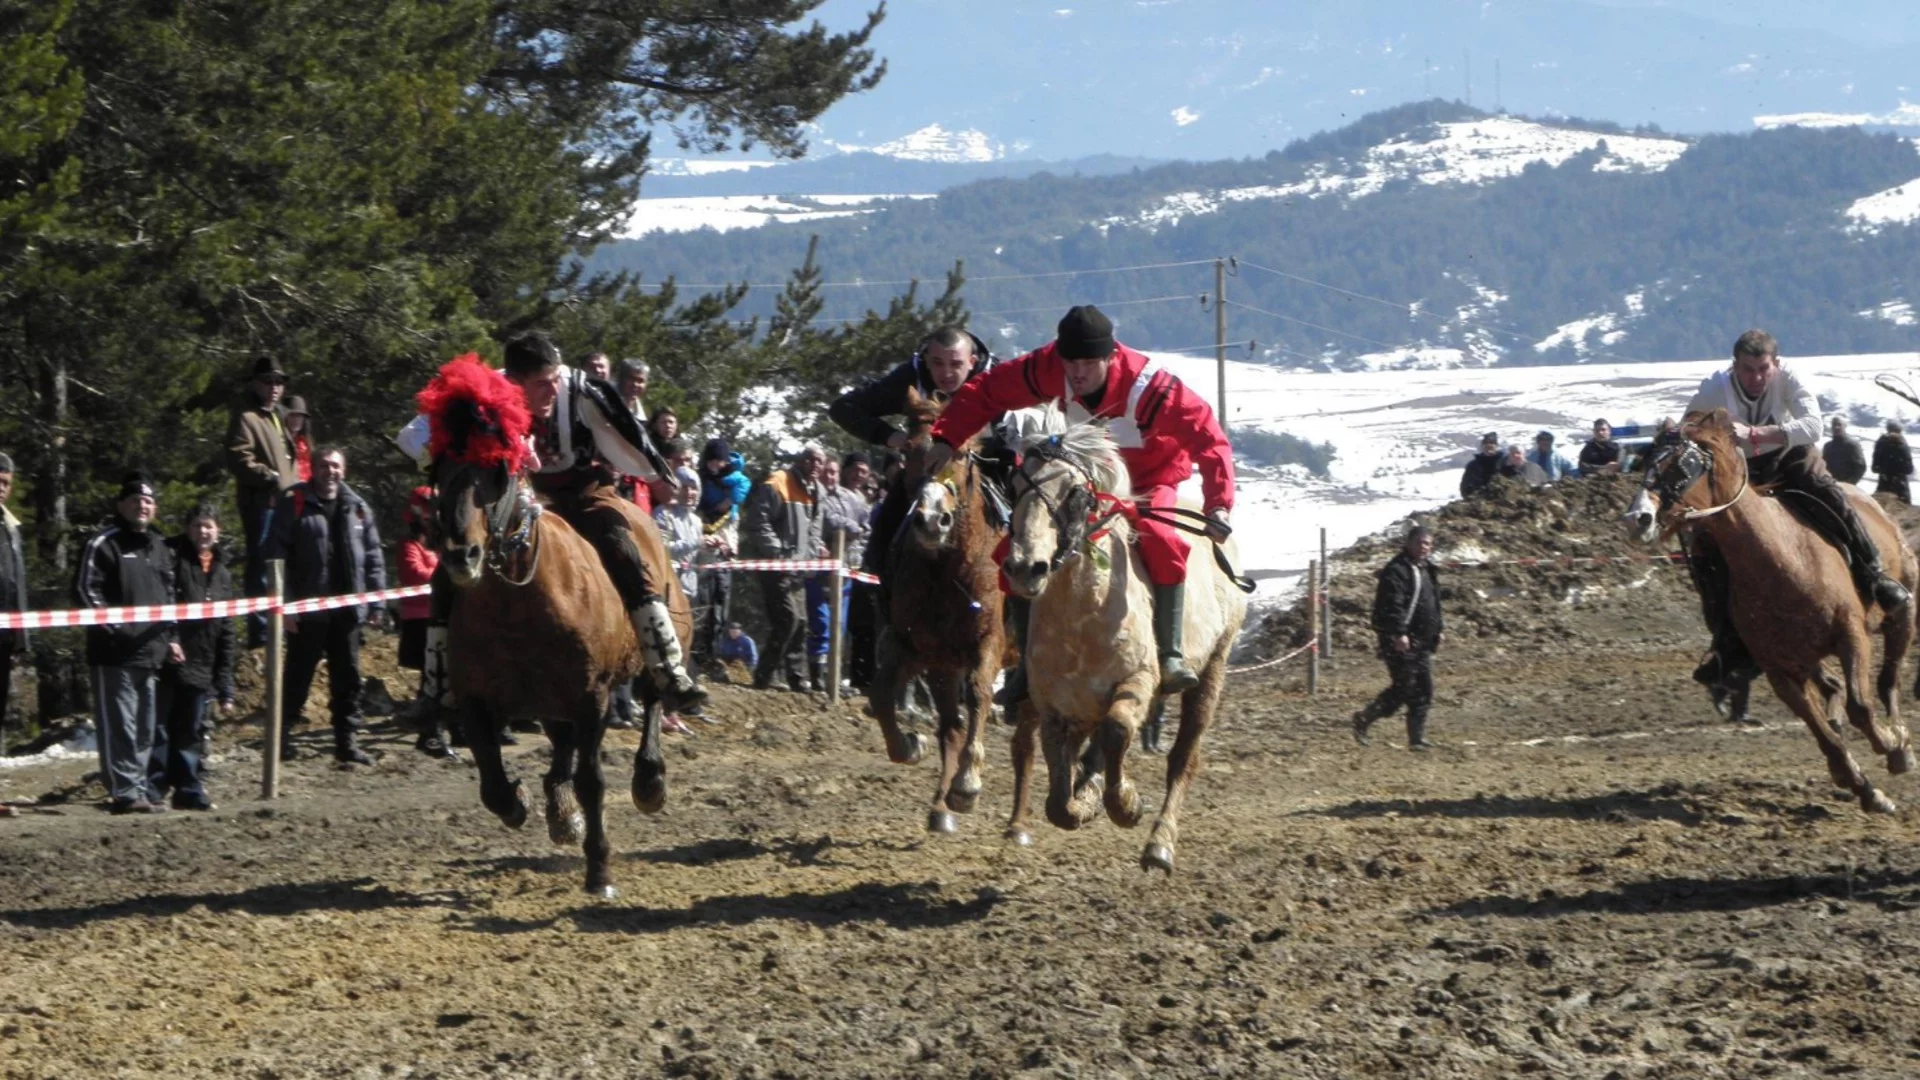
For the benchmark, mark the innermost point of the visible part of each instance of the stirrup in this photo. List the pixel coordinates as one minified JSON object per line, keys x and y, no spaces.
{"x":1175,"y":676}
{"x":1888,"y":593}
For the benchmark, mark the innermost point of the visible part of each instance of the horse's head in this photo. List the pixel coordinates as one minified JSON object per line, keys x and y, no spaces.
{"x":1055,"y":501}
{"x":1687,"y":476}
{"x":469,"y":501}
{"x":938,"y":501}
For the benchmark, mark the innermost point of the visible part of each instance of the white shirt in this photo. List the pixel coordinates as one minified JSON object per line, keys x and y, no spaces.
{"x":1786,"y":403}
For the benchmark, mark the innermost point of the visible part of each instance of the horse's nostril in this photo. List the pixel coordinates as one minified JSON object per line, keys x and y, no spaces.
{"x":1646,"y":520}
{"x":1036,"y":569}
{"x":946,"y":520}
{"x":473,"y":553}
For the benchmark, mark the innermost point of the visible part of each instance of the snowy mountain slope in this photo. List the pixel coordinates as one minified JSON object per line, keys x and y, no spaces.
{"x":1402,"y":437}
{"x":728,"y":212}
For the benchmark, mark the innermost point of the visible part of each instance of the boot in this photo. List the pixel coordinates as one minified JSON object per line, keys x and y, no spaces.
{"x":1014,"y":690}
{"x":436,"y":701}
{"x":1362,"y":723}
{"x":1169,"y":617}
{"x":289,"y":749}
{"x":346,"y":746}
{"x":660,"y":648}
{"x":817,"y":673}
{"x":1417,"y":730}
{"x":1868,"y":575}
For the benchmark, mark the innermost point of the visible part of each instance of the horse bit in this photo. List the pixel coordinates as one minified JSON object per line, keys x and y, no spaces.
{"x":503,"y":547}
{"x":1691,"y":462}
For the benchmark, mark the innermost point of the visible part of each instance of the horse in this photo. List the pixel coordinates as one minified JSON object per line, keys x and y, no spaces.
{"x":539,"y":631}
{"x":1792,"y":599}
{"x":1092,"y":669}
{"x":945,"y":617}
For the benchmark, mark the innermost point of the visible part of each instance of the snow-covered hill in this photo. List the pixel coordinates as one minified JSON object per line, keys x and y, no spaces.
{"x":728,"y":212}
{"x":1402,"y":437}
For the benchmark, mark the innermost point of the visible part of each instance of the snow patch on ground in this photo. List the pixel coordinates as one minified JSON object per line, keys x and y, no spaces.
{"x":727,"y":212}
{"x":1897,"y":312}
{"x":1907,"y":115}
{"x":1894,"y":206}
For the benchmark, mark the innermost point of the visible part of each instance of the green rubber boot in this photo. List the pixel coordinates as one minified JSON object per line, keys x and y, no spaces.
{"x":1169,"y":616}
{"x":1014,"y":691}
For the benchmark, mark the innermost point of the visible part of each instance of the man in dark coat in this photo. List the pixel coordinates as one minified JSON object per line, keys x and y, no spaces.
{"x":325,"y":531}
{"x":1601,"y":455}
{"x":1484,"y":466}
{"x":1843,"y":456}
{"x":127,"y":563}
{"x":13,"y":584}
{"x":260,"y":456}
{"x":205,"y":671}
{"x":1893,"y":462}
{"x":1406,"y":619}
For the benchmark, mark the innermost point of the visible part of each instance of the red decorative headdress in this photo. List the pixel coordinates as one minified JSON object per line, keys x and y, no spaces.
{"x":475,"y":415}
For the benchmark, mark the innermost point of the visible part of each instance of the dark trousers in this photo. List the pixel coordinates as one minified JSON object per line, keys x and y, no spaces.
{"x":863,"y":613}
{"x":1411,"y":673}
{"x":336,"y":636}
{"x":254,"y":510}
{"x":785,"y":597}
{"x":6,"y":674}
{"x":180,"y":738}
{"x":710,"y":604}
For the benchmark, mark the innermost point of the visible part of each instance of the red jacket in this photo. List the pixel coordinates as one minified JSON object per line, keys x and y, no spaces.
{"x":417,"y":563}
{"x":1175,"y":426}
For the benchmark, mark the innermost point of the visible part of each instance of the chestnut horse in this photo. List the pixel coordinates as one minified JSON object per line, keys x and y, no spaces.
{"x":1092,"y":669}
{"x":538,"y":631}
{"x":1792,"y":599}
{"x":944,"y":617}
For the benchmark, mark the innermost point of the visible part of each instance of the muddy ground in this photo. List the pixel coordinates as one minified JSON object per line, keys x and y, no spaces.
{"x":1594,"y":876}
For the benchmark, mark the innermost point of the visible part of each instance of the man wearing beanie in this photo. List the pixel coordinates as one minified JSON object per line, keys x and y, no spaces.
{"x":1162,"y":429}
{"x":128,"y":563}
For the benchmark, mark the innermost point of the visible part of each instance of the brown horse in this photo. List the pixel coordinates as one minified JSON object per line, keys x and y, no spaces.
{"x":538,"y":631}
{"x":1793,"y":600}
{"x":944,"y":617}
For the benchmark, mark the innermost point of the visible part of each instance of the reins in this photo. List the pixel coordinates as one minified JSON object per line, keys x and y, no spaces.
{"x":503,"y":547}
{"x":1696,"y":515}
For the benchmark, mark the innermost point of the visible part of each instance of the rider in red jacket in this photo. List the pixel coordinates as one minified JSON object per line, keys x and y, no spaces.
{"x":1162,"y":429}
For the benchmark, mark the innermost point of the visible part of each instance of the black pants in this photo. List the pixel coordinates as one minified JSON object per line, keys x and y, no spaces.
{"x":254,"y":508}
{"x":1817,"y":499}
{"x":1895,"y":486}
{"x":6,"y":673}
{"x":863,"y":614}
{"x":1411,"y":673}
{"x":336,"y":636}
{"x":710,"y":604}
{"x":180,"y":738}
{"x":785,"y":597}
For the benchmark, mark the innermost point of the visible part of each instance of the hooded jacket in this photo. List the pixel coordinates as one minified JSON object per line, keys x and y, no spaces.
{"x":861,"y":412}
{"x":1407,"y":601}
{"x":307,"y":537}
{"x":207,"y":643}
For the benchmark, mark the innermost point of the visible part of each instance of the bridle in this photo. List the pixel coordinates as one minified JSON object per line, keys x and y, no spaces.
{"x":1675,"y":472}
{"x":1077,"y":517}
{"x":508,"y":540}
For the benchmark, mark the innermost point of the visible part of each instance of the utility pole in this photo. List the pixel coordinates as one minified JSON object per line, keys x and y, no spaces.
{"x":1220,"y":332}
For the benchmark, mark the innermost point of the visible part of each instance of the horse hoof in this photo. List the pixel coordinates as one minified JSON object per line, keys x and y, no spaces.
{"x":1900,"y":761}
{"x":912,"y":749}
{"x":1873,"y":802}
{"x":943,"y":822}
{"x":1157,"y":856}
{"x":516,"y":815}
{"x":602,"y":892}
{"x":1020,"y":837}
{"x":567,"y":831}
{"x":962,"y":802}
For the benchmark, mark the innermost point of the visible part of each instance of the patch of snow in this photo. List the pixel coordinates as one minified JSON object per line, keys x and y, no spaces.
{"x":81,"y":745}
{"x":936,"y":143}
{"x":1183,"y":116}
{"x":1897,"y":312}
{"x":1907,"y":115}
{"x":1575,"y":333}
{"x":1894,"y":206}
{"x":728,"y":212}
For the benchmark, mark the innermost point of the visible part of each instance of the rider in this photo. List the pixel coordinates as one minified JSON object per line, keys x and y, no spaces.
{"x":1162,"y":429}
{"x":1776,"y":423}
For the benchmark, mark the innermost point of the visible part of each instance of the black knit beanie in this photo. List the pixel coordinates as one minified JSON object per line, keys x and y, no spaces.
{"x":1085,"y":334}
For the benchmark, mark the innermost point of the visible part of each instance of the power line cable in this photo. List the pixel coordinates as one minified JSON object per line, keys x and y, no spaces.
{"x":1413,"y":310}
{"x":1312,"y":325}
{"x":1101,"y":303}
{"x":913,"y":281}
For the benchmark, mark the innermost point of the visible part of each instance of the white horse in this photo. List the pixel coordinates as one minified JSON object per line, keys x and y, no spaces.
{"x":1091,"y":663}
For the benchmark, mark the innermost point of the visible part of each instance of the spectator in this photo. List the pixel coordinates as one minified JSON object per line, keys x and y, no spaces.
{"x":1667,"y":434}
{"x":433,"y":703}
{"x":633,"y":385}
{"x":663,"y":426}
{"x":13,"y":585}
{"x":128,"y":563}
{"x":1552,"y":462}
{"x":300,"y":433}
{"x":204,"y":673}
{"x":1893,"y":463}
{"x":260,"y":454}
{"x":679,"y":455}
{"x":680,"y":528}
{"x":736,"y":646}
{"x":1601,"y":455}
{"x":1406,"y":619}
{"x":325,"y":532}
{"x":724,"y":488}
{"x":844,"y":514}
{"x":599,"y":367}
{"x":1484,"y":467}
{"x":1843,"y":456}
{"x":782,"y":521}
{"x":1517,"y":467}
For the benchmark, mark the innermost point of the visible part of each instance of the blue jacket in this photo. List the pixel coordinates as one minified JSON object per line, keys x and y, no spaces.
{"x":741,"y":648}
{"x":724,"y":495}
{"x":1553,"y":463}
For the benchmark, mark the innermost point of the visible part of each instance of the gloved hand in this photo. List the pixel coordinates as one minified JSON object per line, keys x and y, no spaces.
{"x":937,"y":456}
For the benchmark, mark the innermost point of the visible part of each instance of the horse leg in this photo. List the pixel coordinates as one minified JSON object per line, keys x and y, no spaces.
{"x":1183,"y":763}
{"x":564,"y":823}
{"x":1797,"y":691}
{"x":977,"y":698}
{"x":1855,"y":654}
{"x":892,"y":671}
{"x":1025,"y":738}
{"x":1116,"y":735}
{"x":953,"y":743}
{"x":505,"y":797}
{"x":1896,"y":638}
{"x":649,"y":765}
{"x":591,"y":784}
{"x":1070,"y":802}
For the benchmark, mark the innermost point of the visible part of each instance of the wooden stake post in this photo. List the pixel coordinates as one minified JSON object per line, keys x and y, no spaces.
{"x":276,"y":656}
{"x":836,"y":590}
{"x":1313,"y":626}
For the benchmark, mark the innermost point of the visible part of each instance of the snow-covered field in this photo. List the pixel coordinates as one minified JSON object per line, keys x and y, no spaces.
{"x":725,"y":212}
{"x":1402,"y":437}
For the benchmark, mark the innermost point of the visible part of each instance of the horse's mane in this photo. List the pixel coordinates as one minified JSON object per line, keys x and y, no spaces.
{"x":923,"y":410}
{"x":1088,"y":447}
{"x":475,"y":415}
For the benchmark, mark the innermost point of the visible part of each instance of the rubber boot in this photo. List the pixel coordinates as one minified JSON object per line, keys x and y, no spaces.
{"x":1014,"y":690}
{"x":346,"y":746}
{"x":1868,"y":575}
{"x":1169,"y":616}
{"x":660,"y":649}
{"x":1362,"y":723}
{"x":434,"y":698}
{"x":1417,"y":730}
{"x":817,"y":673}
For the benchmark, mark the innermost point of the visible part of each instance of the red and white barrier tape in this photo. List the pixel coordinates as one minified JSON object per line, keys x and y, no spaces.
{"x":222,"y":609}
{"x":1276,"y":661}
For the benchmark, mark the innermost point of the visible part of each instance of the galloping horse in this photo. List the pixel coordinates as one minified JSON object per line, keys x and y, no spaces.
{"x":1091,"y":663}
{"x":1793,"y":600}
{"x":538,"y":629}
{"x":944,"y":616}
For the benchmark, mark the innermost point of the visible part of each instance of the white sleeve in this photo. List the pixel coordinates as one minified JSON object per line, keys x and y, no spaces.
{"x":623,"y":456}
{"x":1804,"y":405}
{"x":413,"y":440}
{"x":1709,"y":397}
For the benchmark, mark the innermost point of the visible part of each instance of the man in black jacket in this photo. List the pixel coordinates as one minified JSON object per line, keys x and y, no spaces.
{"x":1484,"y":466}
{"x":1893,"y":463}
{"x":1406,"y":618}
{"x":1843,"y":456}
{"x":205,"y":671}
{"x":127,"y":563}
{"x":325,"y":532}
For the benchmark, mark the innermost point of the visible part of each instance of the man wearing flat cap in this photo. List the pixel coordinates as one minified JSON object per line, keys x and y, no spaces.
{"x":1484,"y":466}
{"x":128,"y":563}
{"x":260,"y":454}
{"x":1162,"y":428}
